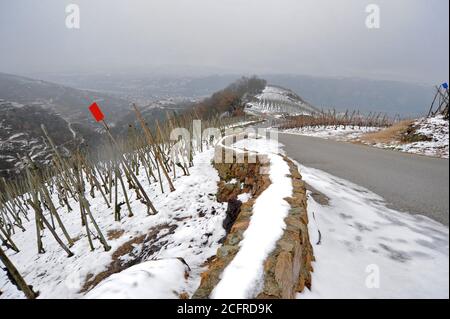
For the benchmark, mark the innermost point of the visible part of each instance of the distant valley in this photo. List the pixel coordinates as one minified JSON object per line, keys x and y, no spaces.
{"x":392,"y":97}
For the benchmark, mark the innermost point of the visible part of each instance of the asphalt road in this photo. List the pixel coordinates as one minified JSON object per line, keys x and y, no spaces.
{"x":411,"y":183}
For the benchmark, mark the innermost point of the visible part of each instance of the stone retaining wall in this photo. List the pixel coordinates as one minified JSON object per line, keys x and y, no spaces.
{"x":287,"y":269}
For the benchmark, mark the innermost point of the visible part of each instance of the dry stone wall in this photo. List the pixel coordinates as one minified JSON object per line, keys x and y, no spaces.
{"x":288,"y":268}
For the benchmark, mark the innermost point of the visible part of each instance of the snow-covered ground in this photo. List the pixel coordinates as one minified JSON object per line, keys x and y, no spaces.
{"x":436,"y":129}
{"x":244,"y":276}
{"x":155,"y":279}
{"x":367,"y":250}
{"x":339,"y":133}
{"x":192,"y":228}
{"x":188,"y":226}
{"x":362,"y":247}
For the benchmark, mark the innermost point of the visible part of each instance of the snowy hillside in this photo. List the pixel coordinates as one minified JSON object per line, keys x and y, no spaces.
{"x":21,"y":135}
{"x":27,"y":103}
{"x":278,"y":100}
{"x":67,"y":102}
{"x":170,"y":247}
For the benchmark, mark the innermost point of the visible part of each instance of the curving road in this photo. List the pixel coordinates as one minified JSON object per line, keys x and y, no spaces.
{"x":411,"y":183}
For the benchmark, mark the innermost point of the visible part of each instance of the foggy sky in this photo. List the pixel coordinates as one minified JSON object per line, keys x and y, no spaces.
{"x":315,"y":37}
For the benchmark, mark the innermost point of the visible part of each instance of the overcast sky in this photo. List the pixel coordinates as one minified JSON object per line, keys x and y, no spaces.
{"x":315,"y":37}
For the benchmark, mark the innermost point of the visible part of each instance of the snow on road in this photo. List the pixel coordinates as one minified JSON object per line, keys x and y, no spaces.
{"x":366,"y":250}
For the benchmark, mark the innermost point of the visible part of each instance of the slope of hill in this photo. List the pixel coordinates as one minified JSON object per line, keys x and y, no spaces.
{"x":21,"y":135}
{"x":276,"y":99}
{"x":391,"y":97}
{"x":26,"y":103}
{"x":152,"y":112}
{"x":67,"y":102}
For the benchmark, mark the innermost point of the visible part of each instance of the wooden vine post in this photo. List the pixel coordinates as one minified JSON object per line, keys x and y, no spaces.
{"x":18,"y":279}
{"x":99,"y":117}
{"x":148,"y":136}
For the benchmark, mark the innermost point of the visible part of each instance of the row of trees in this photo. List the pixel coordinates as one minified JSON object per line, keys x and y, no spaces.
{"x":231,"y":100}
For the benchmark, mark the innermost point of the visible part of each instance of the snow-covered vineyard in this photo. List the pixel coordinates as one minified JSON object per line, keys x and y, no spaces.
{"x":276,"y":100}
{"x":66,"y":227}
{"x":141,"y":254}
{"x":186,"y":229}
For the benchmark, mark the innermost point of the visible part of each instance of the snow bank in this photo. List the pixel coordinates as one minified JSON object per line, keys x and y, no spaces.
{"x":367,"y":250}
{"x":243,"y":277}
{"x":156,"y":279}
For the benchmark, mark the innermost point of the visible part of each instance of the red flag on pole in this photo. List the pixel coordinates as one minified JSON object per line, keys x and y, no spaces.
{"x":96,"y":112}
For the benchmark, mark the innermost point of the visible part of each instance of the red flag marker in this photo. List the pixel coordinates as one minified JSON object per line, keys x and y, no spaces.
{"x":96,"y":112}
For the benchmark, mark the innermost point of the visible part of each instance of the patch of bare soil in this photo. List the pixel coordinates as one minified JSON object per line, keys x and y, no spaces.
{"x":149,"y":243}
{"x":411,"y":136}
{"x":115,"y":233}
{"x":393,"y":134}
